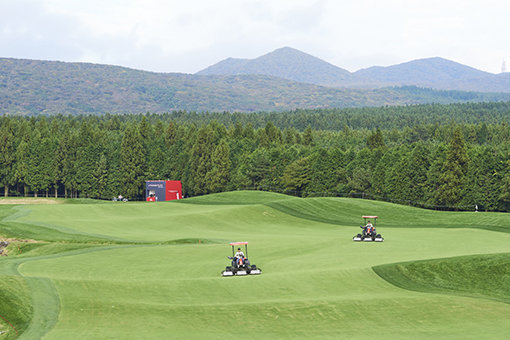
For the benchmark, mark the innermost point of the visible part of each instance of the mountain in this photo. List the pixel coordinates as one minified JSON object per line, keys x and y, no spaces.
{"x":436,"y":73}
{"x":430,"y":72}
{"x":491,"y":83}
{"x":51,"y":87}
{"x":287,"y":63}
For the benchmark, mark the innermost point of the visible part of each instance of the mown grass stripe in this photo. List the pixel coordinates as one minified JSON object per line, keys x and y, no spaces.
{"x":46,"y":307}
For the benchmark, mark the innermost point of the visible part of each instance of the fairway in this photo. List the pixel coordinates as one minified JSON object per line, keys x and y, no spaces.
{"x":142,"y":270}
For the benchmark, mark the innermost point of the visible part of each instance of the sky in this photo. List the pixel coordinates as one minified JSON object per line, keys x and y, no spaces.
{"x":188,"y":35}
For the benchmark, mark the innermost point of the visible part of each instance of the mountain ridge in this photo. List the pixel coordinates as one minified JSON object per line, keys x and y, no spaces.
{"x":56,"y":87}
{"x":434,"y":72}
{"x":302,"y":67}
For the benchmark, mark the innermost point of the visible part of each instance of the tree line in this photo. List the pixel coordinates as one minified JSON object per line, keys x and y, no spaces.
{"x":452,"y":165}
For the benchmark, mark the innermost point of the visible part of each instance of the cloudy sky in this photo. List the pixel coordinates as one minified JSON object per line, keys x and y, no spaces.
{"x":189,"y":35}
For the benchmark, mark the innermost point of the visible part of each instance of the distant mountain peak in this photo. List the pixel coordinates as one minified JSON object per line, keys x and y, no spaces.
{"x":287,"y":50}
{"x":285,"y":62}
{"x":435,"y":72}
{"x":292,"y":64}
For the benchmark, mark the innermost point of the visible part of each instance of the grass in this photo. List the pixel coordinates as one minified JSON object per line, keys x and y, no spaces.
{"x":16,"y":307}
{"x":140,"y":270}
{"x":486,"y":276}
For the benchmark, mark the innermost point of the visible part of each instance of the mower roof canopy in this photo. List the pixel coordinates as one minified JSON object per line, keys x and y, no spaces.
{"x":238,"y":243}
{"x":374,"y":217}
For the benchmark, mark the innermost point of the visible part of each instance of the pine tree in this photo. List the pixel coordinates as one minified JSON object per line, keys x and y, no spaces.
{"x":308,"y":136}
{"x":132,"y":163}
{"x":272,"y":133}
{"x":375,"y":140}
{"x":67,"y":155}
{"x":88,"y":152}
{"x":451,"y":179}
{"x":504,"y":190}
{"x":297,"y":175}
{"x":483,"y":179}
{"x":482,"y":134}
{"x":200,"y":160}
{"x":7,"y":154}
{"x":22,"y":165}
{"x":259,"y":168}
{"x":170,"y":134}
{"x":217,"y":178}
{"x":100,"y":177}
{"x":436,"y":164}
{"x":323,"y":175}
{"x":419,"y":164}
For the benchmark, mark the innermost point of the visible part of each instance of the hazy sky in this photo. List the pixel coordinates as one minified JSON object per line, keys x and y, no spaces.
{"x":189,"y":35}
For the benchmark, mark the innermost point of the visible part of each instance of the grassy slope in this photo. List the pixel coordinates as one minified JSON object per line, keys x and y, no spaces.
{"x":316,"y":282}
{"x":485,"y":276}
{"x":16,"y":309}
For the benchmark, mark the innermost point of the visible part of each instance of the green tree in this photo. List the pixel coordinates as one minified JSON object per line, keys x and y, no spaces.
{"x":200,"y":160}
{"x":504,"y":190}
{"x":7,"y":155}
{"x":359,"y":182}
{"x":259,"y":168}
{"x":327,"y":171}
{"x":483,"y":179}
{"x":100,"y":178}
{"x":217,"y":178}
{"x":22,"y":165}
{"x":451,"y":179}
{"x":297,"y":175}
{"x":308,"y":136}
{"x":375,"y":140}
{"x":132,"y":163}
{"x":418,"y":167}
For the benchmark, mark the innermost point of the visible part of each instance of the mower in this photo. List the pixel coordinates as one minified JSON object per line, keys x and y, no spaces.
{"x":368,"y":233}
{"x":240,"y":265}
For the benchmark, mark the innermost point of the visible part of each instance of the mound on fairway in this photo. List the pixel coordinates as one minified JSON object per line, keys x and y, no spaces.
{"x":142,"y":270}
{"x":238,"y":197}
{"x":485,"y":276}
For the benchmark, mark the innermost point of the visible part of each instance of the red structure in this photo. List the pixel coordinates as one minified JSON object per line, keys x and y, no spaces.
{"x":163,"y":190}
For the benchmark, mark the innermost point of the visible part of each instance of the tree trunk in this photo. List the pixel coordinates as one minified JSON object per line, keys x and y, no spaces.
{"x":65,"y":191}
{"x":56,"y":192}
{"x":35,"y":193}
{"x":6,"y":190}
{"x":25,"y":193}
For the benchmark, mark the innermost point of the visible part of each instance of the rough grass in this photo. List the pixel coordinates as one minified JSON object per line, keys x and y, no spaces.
{"x":15,"y":305}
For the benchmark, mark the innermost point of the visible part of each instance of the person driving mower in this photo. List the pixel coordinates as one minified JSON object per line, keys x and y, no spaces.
{"x":240,"y":264}
{"x":240,"y":258}
{"x":369,"y":233}
{"x":369,"y":229}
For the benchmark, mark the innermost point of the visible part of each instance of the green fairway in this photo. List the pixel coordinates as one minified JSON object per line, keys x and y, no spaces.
{"x":142,"y":270}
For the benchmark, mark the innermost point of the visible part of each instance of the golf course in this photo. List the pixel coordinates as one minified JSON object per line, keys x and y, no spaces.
{"x":90,"y":269}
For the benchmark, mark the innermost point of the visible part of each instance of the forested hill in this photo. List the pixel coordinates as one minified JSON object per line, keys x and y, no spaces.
{"x":49,"y":87}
